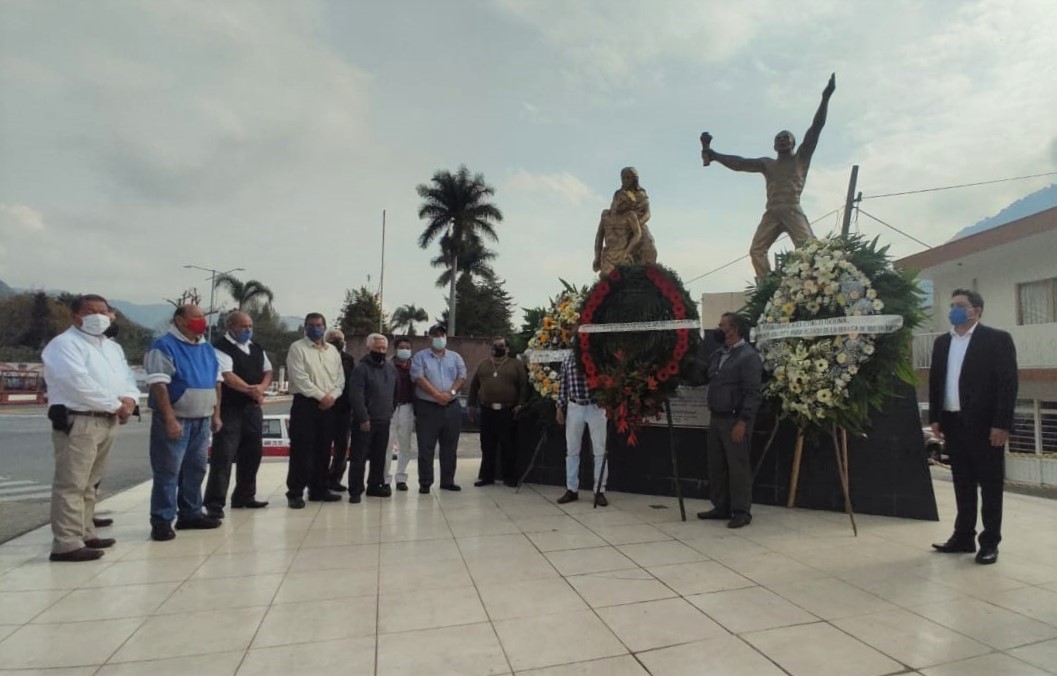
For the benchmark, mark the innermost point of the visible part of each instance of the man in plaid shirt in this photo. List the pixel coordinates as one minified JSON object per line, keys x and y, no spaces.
{"x":576,"y":408}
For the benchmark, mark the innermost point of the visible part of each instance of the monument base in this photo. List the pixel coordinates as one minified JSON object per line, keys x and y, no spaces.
{"x":888,"y":469}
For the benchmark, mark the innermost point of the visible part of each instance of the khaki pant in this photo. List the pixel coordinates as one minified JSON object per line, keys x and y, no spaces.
{"x":774,"y":222}
{"x":80,"y":457}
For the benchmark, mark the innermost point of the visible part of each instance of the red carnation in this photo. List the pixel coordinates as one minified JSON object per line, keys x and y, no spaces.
{"x":672,"y":368}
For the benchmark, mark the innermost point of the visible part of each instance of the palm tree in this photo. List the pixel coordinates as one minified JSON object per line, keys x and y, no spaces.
{"x":245,"y":293}
{"x":406,"y":316}
{"x":473,"y":261}
{"x":456,"y":209}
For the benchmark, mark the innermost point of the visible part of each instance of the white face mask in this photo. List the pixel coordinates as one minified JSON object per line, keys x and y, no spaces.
{"x":439,"y":343}
{"x":95,"y":325}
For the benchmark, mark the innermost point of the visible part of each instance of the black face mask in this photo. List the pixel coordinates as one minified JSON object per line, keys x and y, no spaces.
{"x":378,"y":357}
{"x":498,"y":351}
{"x":112,"y":330}
{"x":338,"y":344}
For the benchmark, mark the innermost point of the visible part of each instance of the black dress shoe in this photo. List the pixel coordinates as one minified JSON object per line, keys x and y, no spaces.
{"x":510,"y":484}
{"x":423,"y":489}
{"x":740,"y":520}
{"x":568,"y":496}
{"x":379,"y":492}
{"x":954,"y":546}
{"x":450,"y":487}
{"x":99,"y":543}
{"x":101,"y":523}
{"x":483,"y":482}
{"x":355,"y":499}
{"x":716,"y":514}
{"x":601,"y":501}
{"x":324,"y":497}
{"x":201,"y":523}
{"x":401,"y":486}
{"x":250,"y":504}
{"x":337,"y":487}
{"x":986,"y":557}
{"x":82,"y":554}
{"x":215,"y":512}
{"x":161,"y":532}
{"x":295,"y":503}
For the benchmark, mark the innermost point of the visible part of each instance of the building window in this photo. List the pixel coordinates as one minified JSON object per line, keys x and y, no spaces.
{"x":1037,"y":302}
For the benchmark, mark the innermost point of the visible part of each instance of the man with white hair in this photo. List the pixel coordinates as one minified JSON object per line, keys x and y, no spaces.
{"x":370,"y":391}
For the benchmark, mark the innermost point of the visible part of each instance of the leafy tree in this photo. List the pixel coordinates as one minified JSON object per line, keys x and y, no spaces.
{"x":40,"y":328}
{"x":486,"y":308}
{"x":533,"y":317}
{"x":245,"y":294}
{"x":272,"y":335}
{"x":473,"y":261}
{"x":406,"y":316}
{"x":457,"y":212}
{"x":361,"y":313}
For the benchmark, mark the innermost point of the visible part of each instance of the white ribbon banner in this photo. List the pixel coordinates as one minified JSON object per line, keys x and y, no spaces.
{"x":666,"y":325}
{"x":829,"y":327}
{"x":546,"y":356}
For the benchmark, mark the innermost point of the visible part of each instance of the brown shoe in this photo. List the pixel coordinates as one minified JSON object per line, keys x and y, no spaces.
{"x":82,"y":554}
{"x":569,"y":496}
{"x":99,"y":543}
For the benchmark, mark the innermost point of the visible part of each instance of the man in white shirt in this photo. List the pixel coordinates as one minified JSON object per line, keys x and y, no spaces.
{"x":91,"y":390}
{"x":247,"y":374}
{"x":316,"y":381}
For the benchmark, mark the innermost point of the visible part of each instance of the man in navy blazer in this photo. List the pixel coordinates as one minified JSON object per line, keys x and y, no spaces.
{"x":972,"y":393}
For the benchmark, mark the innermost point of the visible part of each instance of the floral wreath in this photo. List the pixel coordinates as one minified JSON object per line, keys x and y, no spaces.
{"x":633,"y":374}
{"x":831,"y":380}
{"x":554,"y":333}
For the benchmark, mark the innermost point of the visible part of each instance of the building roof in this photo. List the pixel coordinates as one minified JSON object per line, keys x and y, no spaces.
{"x":1034,"y":224}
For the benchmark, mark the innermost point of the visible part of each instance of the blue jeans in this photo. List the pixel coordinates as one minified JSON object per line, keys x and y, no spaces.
{"x":179,"y":467}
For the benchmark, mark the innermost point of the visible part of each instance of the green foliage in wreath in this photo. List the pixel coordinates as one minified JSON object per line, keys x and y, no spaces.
{"x":826,"y":381}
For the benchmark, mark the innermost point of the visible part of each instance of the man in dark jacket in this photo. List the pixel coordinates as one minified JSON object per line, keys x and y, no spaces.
{"x":342,"y":416}
{"x":734,"y":375}
{"x":972,"y":394}
{"x":370,"y":392}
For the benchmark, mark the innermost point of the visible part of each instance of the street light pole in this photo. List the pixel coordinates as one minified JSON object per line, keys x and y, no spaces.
{"x":212,"y":290}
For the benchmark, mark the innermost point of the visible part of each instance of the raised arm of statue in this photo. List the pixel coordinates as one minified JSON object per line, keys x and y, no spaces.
{"x":735,"y":163}
{"x":807,"y":148}
{"x":600,"y":237}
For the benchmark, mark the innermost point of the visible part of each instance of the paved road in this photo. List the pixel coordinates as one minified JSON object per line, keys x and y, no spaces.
{"x":26,"y":465}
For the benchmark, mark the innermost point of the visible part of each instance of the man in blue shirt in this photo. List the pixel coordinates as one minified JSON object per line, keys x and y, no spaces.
{"x":438,"y":375}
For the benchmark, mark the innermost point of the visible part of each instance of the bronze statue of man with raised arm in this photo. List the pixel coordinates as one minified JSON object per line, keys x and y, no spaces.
{"x":785,"y":176}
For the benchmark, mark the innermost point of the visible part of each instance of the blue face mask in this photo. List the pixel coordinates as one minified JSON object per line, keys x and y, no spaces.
{"x":244,"y":336}
{"x":315,"y":333}
{"x":440,"y":342}
{"x":403,"y":354}
{"x":958,"y":315}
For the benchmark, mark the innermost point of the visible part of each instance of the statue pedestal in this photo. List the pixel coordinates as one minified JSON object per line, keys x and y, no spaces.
{"x":888,"y":470}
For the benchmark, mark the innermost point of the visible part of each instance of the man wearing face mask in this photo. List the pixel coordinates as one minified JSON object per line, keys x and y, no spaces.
{"x":316,"y":381}
{"x":403,"y":421}
{"x":184,"y":378}
{"x":370,"y":392}
{"x":342,"y":416}
{"x":438,"y":374}
{"x":499,"y":386}
{"x":734,"y":393}
{"x":972,"y":394}
{"x":247,"y":373}
{"x":91,"y":390}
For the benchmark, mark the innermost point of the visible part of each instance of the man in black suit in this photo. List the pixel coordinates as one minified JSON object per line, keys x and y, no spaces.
{"x":972,"y":393}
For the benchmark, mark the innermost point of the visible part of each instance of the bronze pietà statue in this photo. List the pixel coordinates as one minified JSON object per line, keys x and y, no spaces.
{"x":623,"y":237}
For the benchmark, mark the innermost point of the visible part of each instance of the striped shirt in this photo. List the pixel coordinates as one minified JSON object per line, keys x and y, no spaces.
{"x":572,"y":385}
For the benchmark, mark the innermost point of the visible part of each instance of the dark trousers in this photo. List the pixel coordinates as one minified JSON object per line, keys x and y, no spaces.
{"x":238,"y":441}
{"x":368,"y":447}
{"x":340,"y":457}
{"x":975,"y":465}
{"x":435,"y":424}
{"x":729,"y":467}
{"x":498,"y":441}
{"x":310,"y":438}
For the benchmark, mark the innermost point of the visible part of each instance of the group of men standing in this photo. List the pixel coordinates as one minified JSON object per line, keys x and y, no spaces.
{"x":347,"y":414}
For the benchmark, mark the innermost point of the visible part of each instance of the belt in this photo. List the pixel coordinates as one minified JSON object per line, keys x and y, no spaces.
{"x":581,"y":402}
{"x":497,"y":407}
{"x":93,"y":414}
{"x":723,"y":414}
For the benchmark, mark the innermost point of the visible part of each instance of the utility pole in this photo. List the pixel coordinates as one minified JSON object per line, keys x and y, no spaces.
{"x":850,"y":201}
{"x":212,"y":290}
{"x":381,"y":280}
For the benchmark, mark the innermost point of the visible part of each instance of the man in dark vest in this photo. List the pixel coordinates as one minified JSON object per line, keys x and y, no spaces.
{"x":342,"y":415}
{"x":247,"y":373}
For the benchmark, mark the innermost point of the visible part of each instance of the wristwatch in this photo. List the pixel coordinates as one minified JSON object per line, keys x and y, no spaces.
{"x":454,"y":392}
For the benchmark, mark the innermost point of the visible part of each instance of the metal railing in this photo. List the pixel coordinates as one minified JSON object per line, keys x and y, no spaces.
{"x":922,"y":349}
{"x":1034,"y":428}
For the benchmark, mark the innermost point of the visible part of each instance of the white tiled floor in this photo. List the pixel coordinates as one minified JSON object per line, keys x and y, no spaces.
{"x":489,"y":581}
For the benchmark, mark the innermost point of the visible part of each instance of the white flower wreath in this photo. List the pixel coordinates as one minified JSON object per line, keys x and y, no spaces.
{"x":812,"y":375}
{"x":553,"y":333}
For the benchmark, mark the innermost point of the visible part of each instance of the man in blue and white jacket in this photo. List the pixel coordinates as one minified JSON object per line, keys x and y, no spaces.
{"x":184,"y":378}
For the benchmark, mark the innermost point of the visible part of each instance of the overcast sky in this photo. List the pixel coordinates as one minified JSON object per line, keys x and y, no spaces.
{"x":136,"y":137}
